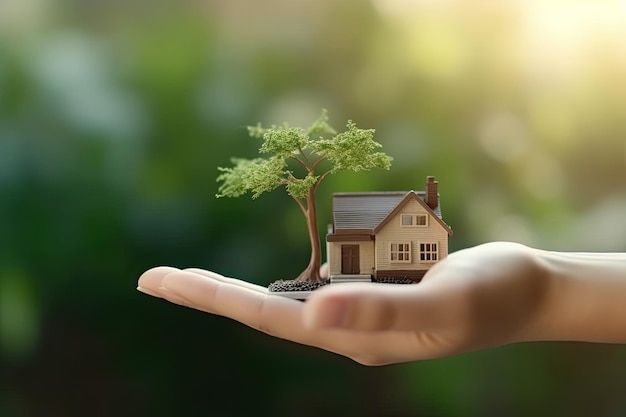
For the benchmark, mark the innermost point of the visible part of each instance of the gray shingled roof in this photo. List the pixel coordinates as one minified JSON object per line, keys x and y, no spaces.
{"x":368,"y":210}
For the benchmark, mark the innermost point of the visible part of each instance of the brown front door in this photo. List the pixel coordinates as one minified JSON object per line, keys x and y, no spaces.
{"x":350,"y":259}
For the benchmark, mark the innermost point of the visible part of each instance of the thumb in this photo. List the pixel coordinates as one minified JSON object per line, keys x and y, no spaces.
{"x":376,"y":307}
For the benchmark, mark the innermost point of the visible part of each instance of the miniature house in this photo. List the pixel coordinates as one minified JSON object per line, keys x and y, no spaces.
{"x":396,"y":235}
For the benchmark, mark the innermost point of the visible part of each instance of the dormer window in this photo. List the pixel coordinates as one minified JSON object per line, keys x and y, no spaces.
{"x":415,"y":220}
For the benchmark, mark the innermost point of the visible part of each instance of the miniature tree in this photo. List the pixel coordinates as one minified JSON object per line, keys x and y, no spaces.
{"x":318,"y":148}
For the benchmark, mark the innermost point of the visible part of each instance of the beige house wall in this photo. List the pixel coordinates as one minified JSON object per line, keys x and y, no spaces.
{"x":395,"y":232}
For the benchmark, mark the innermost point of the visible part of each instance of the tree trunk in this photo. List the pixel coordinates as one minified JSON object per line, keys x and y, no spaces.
{"x":312,"y":271}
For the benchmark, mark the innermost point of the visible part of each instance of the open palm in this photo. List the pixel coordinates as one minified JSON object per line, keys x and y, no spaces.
{"x":480,"y":297}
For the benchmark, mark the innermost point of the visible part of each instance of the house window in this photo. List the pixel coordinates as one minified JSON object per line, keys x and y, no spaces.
{"x":400,"y":252}
{"x":429,"y":252}
{"x":414,"y":220}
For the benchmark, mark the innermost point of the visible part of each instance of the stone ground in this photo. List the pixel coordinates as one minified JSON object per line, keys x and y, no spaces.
{"x":293,"y":285}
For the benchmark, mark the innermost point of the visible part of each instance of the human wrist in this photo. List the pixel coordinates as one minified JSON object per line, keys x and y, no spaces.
{"x":541,"y":284}
{"x":585,"y":297}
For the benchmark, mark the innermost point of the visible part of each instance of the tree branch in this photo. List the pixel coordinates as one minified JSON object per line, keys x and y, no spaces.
{"x":316,"y":163}
{"x":286,"y":181}
{"x":290,"y":178}
{"x":308,"y":162}
{"x":298,"y":160}
{"x":319,"y":181}
{"x":301,"y":205}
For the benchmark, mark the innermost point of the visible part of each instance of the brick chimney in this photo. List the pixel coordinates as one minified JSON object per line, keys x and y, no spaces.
{"x":431,"y":192}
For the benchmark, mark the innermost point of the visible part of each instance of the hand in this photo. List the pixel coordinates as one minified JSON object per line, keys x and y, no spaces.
{"x":477,"y":298}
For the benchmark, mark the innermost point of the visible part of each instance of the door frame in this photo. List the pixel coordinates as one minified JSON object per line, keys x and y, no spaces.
{"x":350,"y":259}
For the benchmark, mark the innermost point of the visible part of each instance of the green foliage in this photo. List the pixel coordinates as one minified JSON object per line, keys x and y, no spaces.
{"x":321,"y":126}
{"x":256,"y":175}
{"x":299,"y":188}
{"x":354,"y":150}
{"x":284,"y":142}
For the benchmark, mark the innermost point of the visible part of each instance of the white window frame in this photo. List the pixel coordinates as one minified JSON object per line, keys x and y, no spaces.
{"x":414,"y":220}
{"x":401,"y":251}
{"x":428,"y":252}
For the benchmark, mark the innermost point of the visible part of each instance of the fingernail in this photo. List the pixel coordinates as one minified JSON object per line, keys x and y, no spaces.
{"x":147,"y":291}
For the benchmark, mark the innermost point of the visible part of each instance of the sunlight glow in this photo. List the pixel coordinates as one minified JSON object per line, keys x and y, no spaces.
{"x":558,"y":62}
{"x":556,"y":36}
{"x":560,"y":31}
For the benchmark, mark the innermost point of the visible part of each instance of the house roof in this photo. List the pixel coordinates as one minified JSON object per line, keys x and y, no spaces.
{"x":366,"y":213}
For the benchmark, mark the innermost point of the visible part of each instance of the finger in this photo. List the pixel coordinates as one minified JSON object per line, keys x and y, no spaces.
{"x":150,"y":283}
{"x":325,"y":270}
{"x":235,"y":299}
{"x":282,"y":317}
{"x":378,"y":307}
{"x":240,"y":301}
{"x":272,"y":314}
{"x":222,"y":278}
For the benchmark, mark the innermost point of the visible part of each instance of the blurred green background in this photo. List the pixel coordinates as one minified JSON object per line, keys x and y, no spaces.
{"x":114,"y":116}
